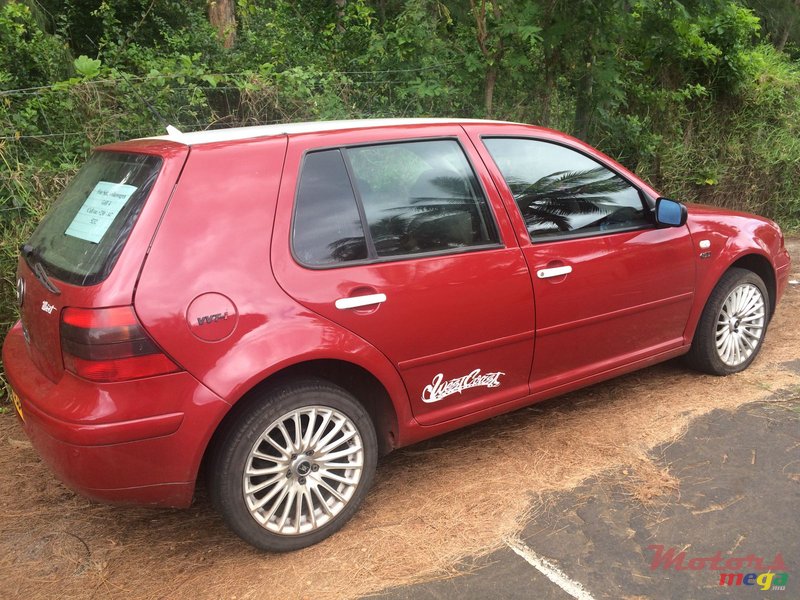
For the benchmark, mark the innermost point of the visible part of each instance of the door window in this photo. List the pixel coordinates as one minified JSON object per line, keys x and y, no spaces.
{"x":327,"y":226}
{"x":420,"y":197}
{"x":561,"y":192}
{"x":389,"y":200}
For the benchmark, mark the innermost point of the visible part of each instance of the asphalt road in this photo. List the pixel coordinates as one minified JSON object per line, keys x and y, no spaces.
{"x":737,"y":493}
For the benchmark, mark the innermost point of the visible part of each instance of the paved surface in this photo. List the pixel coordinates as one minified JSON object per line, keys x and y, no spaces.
{"x":737,"y":492}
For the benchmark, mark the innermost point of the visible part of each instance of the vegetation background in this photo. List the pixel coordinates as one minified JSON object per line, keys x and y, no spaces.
{"x":700,"y":97}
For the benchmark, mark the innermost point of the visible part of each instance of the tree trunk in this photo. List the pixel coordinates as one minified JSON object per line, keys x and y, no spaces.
{"x":546,"y":99}
{"x":382,"y":12}
{"x":340,"y":6}
{"x":787,"y":29}
{"x":552,"y":58}
{"x":492,"y":57}
{"x":783,"y":39}
{"x":583,"y":101}
{"x":222,"y":17}
{"x":488,"y":91}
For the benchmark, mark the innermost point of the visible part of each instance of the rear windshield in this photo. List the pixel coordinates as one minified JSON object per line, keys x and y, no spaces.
{"x":81,"y":237}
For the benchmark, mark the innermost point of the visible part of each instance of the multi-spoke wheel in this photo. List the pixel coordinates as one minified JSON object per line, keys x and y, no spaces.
{"x":294,"y":465}
{"x":740,"y":324}
{"x":732,"y":325}
{"x":303,"y":470}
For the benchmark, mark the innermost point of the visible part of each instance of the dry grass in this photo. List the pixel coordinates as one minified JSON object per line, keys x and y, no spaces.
{"x":433,"y":505}
{"x":647,"y":483}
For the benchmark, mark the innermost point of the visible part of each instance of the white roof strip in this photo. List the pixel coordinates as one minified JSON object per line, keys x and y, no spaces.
{"x":243,"y":133}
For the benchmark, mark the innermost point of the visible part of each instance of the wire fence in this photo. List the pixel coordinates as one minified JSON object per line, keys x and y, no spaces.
{"x":98,"y":109}
{"x":59,"y":87}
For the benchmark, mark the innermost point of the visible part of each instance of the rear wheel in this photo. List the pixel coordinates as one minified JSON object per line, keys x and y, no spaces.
{"x":293,"y":467}
{"x":732,"y":326}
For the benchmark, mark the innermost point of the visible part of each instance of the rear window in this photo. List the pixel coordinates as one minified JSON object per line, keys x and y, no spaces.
{"x":81,"y":237}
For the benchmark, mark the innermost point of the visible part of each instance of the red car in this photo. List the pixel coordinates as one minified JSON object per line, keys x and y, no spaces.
{"x":280,"y":305}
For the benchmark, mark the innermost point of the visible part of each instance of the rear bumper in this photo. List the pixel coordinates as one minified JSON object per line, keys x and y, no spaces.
{"x":138,"y":442}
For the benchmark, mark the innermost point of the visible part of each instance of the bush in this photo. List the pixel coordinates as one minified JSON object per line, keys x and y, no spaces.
{"x":743,"y":152}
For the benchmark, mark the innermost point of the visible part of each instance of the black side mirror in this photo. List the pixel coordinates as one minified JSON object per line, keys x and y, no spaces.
{"x":670,"y":213}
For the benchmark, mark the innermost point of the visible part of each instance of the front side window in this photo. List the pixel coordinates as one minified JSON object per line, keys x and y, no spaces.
{"x":560,"y":191}
{"x":400,"y":199}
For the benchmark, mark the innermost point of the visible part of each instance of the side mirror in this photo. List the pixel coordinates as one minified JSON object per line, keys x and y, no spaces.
{"x":670,"y":213}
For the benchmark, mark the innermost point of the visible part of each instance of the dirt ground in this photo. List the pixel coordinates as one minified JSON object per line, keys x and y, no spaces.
{"x":435,"y":506}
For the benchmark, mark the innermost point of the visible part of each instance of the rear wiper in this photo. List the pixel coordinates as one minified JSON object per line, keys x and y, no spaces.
{"x":30,"y":254}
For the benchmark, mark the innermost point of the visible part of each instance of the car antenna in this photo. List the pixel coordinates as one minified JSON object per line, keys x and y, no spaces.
{"x":171,"y":129}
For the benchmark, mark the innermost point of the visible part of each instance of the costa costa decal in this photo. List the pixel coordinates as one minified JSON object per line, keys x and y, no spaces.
{"x":439,"y":389}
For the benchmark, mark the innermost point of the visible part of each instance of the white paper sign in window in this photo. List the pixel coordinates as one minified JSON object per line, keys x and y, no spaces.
{"x":99,"y":210}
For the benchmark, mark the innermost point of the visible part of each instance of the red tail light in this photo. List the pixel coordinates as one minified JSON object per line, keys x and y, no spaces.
{"x":109,"y":344}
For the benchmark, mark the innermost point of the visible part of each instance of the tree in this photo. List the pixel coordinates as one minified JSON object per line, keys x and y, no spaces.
{"x":222,"y":16}
{"x":780,"y":20}
{"x":340,"y":5}
{"x":491,"y":46}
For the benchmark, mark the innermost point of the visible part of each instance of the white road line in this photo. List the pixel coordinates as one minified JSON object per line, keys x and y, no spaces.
{"x":549,"y":570}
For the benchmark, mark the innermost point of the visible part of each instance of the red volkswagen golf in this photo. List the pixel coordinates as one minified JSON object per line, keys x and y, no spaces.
{"x":280,"y":305}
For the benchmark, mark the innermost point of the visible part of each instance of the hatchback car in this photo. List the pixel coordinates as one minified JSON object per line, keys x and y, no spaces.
{"x":280,"y":305}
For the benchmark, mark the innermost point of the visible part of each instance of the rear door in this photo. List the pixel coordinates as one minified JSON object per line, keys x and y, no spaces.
{"x":611,"y":289}
{"x":402,"y":243}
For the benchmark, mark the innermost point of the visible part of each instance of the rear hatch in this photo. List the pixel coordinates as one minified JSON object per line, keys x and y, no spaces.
{"x":71,"y":256}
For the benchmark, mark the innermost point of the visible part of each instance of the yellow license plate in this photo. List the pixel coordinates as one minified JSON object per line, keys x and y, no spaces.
{"x":17,"y":404}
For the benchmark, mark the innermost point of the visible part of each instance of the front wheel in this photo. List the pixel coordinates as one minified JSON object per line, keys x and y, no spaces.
{"x":732,"y":326}
{"x":294,"y":466}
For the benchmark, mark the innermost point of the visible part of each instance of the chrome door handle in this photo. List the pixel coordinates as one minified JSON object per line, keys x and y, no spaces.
{"x":356,"y":301}
{"x":554,"y":272}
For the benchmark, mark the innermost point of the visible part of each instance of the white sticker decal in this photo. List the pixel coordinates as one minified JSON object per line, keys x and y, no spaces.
{"x":439,"y":390}
{"x":99,"y":210}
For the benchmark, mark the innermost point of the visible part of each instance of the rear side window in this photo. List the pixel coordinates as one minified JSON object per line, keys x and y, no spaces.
{"x":82,"y":236}
{"x":389,"y":200}
{"x":327,"y":225}
{"x":562,"y":192}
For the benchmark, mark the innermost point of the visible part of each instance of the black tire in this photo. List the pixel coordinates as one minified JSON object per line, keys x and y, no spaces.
{"x":232,"y":455}
{"x":704,"y":355}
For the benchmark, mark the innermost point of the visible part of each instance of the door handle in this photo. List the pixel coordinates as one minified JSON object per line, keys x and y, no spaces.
{"x":357,"y":301}
{"x":554,"y":272}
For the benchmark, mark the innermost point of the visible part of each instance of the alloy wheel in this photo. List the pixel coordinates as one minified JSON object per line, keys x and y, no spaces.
{"x":740,"y":324}
{"x":303,"y":470}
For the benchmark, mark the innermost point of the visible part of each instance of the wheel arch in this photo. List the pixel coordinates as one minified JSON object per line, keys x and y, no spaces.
{"x":365,"y":387}
{"x":355,"y":379}
{"x":760,"y":265}
{"x":751,"y":259}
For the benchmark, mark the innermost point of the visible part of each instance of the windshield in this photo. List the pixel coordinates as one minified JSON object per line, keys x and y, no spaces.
{"x":81,"y":237}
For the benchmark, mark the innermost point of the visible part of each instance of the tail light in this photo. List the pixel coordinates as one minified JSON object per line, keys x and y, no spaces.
{"x":109,"y":344}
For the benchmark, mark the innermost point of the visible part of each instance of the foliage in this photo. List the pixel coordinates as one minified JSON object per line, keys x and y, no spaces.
{"x":30,"y":56}
{"x":741,"y":153}
{"x":781,"y":22}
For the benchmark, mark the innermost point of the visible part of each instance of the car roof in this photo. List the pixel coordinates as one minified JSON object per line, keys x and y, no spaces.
{"x":210,"y":136}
